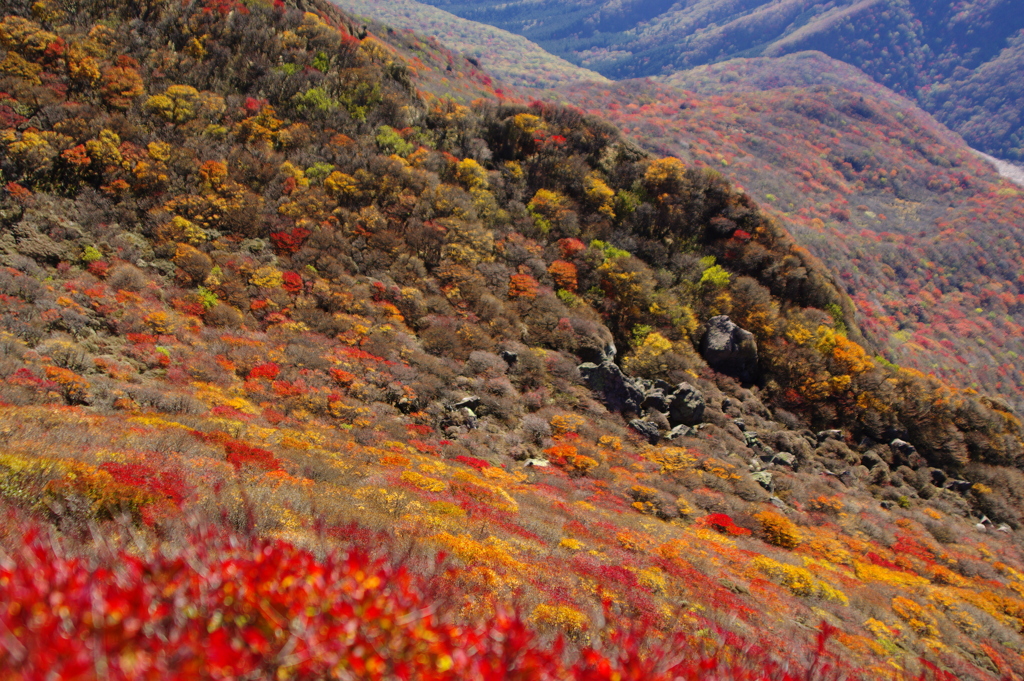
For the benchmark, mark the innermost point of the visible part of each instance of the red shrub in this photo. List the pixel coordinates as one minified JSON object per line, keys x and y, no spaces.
{"x":478,"y":464}
{"x":268,"y":370}
{"x":720,"y":522}
{"x":291,"y":241}
{"x":291,"y":282}
{"x":570,"y":247}
{"x":240,"y":454}
{"x":166,"y":485}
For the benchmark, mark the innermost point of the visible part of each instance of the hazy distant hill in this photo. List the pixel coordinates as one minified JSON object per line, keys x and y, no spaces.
{"x":960,"y":60}
{"x":506,"y":55}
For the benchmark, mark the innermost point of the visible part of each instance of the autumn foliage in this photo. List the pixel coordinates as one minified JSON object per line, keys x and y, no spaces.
{"x":291,"y":386}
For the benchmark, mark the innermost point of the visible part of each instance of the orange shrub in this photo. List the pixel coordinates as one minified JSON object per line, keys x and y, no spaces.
{"x":569,"y":459}
{"x":523,"y":286}
{"x":779,"y":530}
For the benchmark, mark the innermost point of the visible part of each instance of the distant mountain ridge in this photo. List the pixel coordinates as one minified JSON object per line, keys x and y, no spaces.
{"x":511,"y":57}
{"x":958,"y":60}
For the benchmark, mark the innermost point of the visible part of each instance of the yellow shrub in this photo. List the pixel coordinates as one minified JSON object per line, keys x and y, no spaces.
{"x":823,"y":504}
{"x":631,"y":541}
{"x":16,"y":65}
{"x":647,"y":358}
{"x":878,"y":629}
{"x":492,"y":495}
{"x":565,"y":423}
{"x":501,"y":475}
{"x":472,"y":174}
{"x":177,"y":104}
{"x":390,"y":501}
{"x":915,"y":616}
{"x":671,"y":459}
{"x":950,"y":604}
{"x":599,"y":194}
{"x":267,"y":276}
{"x":720,"y":469}
{"x":446,"y":508}
{"x":161,"y":322}
{"x":652,"y":578}
{"x":876,"y":573}
{"x":491,"y":551}
{"x":423,"y":482}
{"x":798,"y":580}
{"x":665,"y":171}
{"x":569,"y":621}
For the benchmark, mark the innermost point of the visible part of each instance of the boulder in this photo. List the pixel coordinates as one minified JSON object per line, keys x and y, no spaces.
{"x":657,"y":400}
{"x":687,"y":406}
{"x":647,"y":429}
{"x":880,"y":474}
{"x":763,"y":478}
{"x":472,"y":402}
{"x":833,"y":434}
{"x":784,"y":458}
{"x":960,"y":486}
{"x":597,"y":353}
{"x":730,"y":350}
{"x":664,"y":386}
{"x":469,"y":418}
{"x":680,"y":431}
{"x":905,"y":451}
{"x":617,"y":390}
{"x":871,"y":459}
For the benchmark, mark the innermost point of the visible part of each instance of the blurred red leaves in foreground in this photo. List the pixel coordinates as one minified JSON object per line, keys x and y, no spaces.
{"x":219,"y":605}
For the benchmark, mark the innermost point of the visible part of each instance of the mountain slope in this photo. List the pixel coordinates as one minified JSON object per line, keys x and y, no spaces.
{"x":264,"y":285}
{"x":958,"y":60}
{"x":924,"y":235}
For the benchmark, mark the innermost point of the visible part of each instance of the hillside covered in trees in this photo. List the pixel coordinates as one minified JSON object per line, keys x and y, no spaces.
{"x":323,"y":355}
{"x":960,"y":61}
{"x":923,"y":234}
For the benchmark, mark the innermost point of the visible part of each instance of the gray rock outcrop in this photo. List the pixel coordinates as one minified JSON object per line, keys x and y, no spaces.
{"x":618,"y":391}
{"x":665,"y":406}
{"x":686,"y":406}
{"x":647,"y":429}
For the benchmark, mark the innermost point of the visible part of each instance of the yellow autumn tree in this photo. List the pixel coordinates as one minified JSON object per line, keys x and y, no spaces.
{"x":178,"y":104}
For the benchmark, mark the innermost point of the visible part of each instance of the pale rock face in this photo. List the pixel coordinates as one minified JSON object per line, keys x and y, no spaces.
{"x":729,"y":349}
